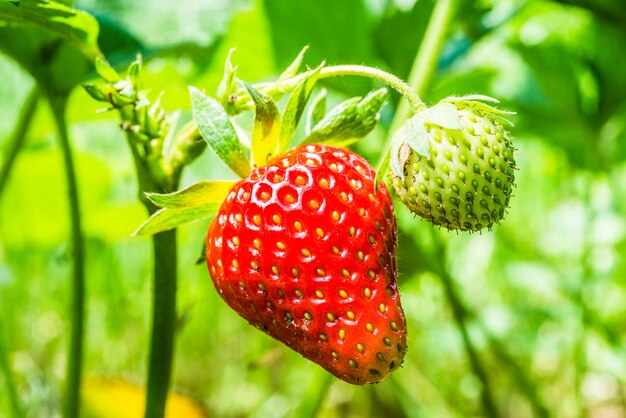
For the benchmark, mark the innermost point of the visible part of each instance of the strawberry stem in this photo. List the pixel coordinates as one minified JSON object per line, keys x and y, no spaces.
{"x":75,"y":355}
{"x":374,"y":73}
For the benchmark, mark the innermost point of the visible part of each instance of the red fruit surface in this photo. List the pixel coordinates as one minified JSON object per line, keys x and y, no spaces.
{"x":306,"y":251}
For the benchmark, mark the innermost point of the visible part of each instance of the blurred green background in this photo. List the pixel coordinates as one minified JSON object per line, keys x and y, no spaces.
{"x":527,"y":320}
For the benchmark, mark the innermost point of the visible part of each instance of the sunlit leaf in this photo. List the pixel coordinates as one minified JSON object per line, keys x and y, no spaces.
{"x":295,"y":106}
{"x":349,"y":121}
{"x":215,"y":127}
{"x":200,"y":193}
{"x":198,"y":201}
{"x":74,"y":26}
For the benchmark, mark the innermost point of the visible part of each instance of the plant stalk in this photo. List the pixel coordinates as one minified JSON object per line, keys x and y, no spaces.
{"x":425,"y":62}
{"x":19,"y":136}
{"x":77,"y":312}
{"x":163,"y":324}
{"x":17,"y":410}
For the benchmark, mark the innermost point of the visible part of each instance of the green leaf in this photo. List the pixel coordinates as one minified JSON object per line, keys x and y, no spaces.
{"x":266,"y":127}
{"x":294,"y":67}
{"x":198,"y":201}
{"x":317,"y":111}
{"x":77,"y":27}
{"x":295,"y":106}
{"x":105,"y":71}
{"x":342,"y":34}
{"x":349,"y":121}
{"x":215,"y":127}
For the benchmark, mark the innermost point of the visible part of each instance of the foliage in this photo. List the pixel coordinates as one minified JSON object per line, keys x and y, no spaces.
{"x":523,"y":321}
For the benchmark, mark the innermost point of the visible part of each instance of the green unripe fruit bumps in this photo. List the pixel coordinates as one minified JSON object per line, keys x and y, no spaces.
{"x":466,"y":179}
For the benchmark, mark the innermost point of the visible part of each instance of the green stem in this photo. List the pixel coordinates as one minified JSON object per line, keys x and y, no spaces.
{"x":426,"y":60}
{"x":314,"y":397}
{"x":280,"y":87}
{"x":374,"y":73}
{"x":488,"y":403}
{"x":19,"y":136}
{"x":163,"y":323}
{"x":163,"y":326}
{"x":459,"y":313}
{"x":17,"y":410}
{"x":75,"y":355}
{"x":422,"y":70}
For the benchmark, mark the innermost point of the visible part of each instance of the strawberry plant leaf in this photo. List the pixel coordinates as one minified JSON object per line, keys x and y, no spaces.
{"x":295,"y":107}
{"x":317,"y":111}
{"x":216,"y":128}
{"x":198,"y":201}
{"x":265,"y":129}
{"x":77,"y":27}
{"x":349,"y":121}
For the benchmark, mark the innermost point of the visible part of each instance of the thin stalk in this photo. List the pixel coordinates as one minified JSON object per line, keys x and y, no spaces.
{"x":425,"y":62}
{"x":77,"y":312}
{"x":19,"y":136}
{"x":376,"y":74}
{"x":163,"y":323}
{"x":17,"y":411}
{"x":314,"y":397}
{"x":458,"y":311}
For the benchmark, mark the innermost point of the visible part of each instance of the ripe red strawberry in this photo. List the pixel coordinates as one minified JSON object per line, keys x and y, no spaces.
{"x":305,"y":251}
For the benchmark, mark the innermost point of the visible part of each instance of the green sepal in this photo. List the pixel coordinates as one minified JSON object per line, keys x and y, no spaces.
{"x":476,"y":101}
{"x":99,"y":93}
{"x":295,"y":107}
{"x":104,"y":69}
{"x":294,"y":67}
{"x":443,"y":114}
{"x":349,"y":121}
{"x":317,"y":111}
{"x":216,"y":128}
{"x":382,"y":168}
{"x":228,"y":85}
{"x":199,"y":201}
{"x":266,"y":127}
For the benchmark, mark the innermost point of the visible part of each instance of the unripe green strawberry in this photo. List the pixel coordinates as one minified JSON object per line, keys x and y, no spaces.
{"x":466,"y":180}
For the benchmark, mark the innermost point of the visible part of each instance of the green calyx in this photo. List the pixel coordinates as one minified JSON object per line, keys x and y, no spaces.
{"x":453,"y":164}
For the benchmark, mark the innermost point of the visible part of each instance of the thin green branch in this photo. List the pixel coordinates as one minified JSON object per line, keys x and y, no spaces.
{"x":19,"y":136}
{"x":314,"y":397}
{"x":458,"y":311}
{"x":77,"y":315}
{"x":17,"y":409}
{"x":426,"y":60}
